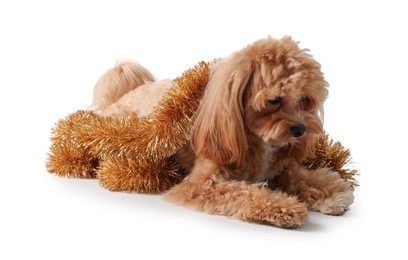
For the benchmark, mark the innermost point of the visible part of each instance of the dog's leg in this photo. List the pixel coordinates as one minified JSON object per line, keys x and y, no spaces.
{"x":322,"y":189}
{"x":205,"y":189}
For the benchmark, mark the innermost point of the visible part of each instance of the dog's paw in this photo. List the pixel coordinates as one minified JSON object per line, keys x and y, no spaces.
{"x":281,"y":211}
{"x":337,"y":204}
{"x":291,"y":217}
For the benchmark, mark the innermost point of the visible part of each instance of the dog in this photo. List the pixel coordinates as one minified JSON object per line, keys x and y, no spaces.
{"x":259,"y":118}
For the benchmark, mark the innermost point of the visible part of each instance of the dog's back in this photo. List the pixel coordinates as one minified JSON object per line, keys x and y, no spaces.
{"x":127,"y":88}
{"x":125,"y":76}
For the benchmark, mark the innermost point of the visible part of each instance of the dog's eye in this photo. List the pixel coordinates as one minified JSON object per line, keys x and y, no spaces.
{"x":306,"y":103}
{"x":275,"y":101}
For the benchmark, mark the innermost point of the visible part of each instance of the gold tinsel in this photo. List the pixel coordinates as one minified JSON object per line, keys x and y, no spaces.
{"x":134,"y":154}
{"x":333,"y":155}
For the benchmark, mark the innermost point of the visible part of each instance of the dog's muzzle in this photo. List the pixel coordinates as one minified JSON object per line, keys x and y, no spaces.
{"x":297,"y":130}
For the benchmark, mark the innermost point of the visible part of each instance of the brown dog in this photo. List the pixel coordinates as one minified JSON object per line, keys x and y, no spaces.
{"x":259,"y":119}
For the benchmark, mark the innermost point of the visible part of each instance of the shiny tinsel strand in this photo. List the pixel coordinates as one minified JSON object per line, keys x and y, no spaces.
{"x":333,"y":155}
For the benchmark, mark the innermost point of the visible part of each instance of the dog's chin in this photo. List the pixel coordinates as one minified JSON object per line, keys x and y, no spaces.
{"x":298,"y":148}
{"x":282,"y":143}
{"x":287,"y":140}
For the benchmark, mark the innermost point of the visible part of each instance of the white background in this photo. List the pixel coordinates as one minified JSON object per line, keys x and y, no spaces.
{"x":52,"y":52}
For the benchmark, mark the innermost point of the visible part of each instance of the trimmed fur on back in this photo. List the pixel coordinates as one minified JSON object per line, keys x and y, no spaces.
{"x":125,"y":76}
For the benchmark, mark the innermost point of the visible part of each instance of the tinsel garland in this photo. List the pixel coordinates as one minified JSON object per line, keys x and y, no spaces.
{"x":333,"y":155}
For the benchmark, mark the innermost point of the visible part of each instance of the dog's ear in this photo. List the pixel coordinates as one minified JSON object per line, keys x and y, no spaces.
{"x":218,"y":132}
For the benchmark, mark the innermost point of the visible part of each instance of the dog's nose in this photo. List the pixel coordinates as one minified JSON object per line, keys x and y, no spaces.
{"x":297,"y":130}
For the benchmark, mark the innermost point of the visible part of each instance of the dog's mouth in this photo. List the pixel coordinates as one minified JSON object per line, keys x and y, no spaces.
{"x":292,"y":135}
{"x":297,"y":137}
{"x":282,"y":130}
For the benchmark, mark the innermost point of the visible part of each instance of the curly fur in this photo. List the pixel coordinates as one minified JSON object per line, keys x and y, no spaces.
{"x":259,"y":119}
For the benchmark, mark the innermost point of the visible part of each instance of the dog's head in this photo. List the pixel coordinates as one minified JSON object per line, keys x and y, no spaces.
{"x":271,"y":89}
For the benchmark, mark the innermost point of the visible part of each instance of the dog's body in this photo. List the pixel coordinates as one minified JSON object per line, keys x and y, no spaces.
{"x":259,"y":119}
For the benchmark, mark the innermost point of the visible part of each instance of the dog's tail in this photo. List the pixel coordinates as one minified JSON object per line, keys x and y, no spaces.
{"x":125,"y":76}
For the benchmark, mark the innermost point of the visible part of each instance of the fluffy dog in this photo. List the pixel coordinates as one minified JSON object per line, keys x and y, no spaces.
{"x":260,"y":117}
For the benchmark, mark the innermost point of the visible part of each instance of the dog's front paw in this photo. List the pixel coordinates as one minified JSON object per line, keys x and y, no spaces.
{"x":286,"y":212}
{"x":291,"y":217}
{"x":337,"y":204}
{"x":278,"y":209}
